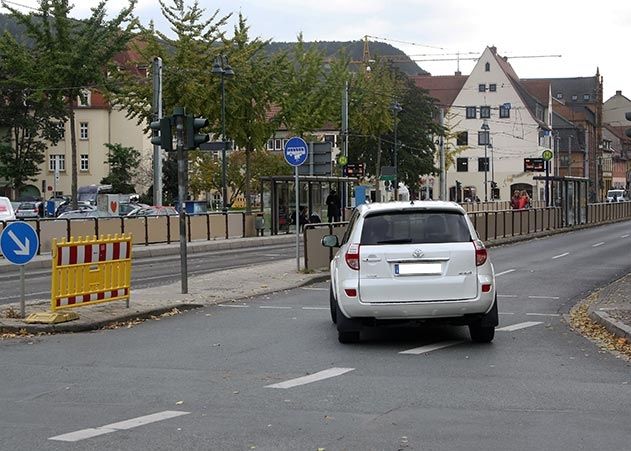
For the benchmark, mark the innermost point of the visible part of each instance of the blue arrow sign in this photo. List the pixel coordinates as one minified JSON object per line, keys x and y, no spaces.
{"x":296,"y":151}
{"x":19,"y":243}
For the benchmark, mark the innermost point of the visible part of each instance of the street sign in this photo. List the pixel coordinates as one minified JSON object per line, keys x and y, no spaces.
{"x":296,"y":151}
{"x":534,"y":165}
{"x":547,"y":155}
{"x":19,"y":243}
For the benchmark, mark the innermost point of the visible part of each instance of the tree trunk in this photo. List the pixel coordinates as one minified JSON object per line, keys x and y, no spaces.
{"x":248,"y":202}
{"x":73,"y":146}
{"x":378,"y":170}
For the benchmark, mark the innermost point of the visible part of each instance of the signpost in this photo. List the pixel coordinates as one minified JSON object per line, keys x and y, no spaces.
{"x":19,"y":244}
{"x":547,"y":156}
{"x":296,"y":152}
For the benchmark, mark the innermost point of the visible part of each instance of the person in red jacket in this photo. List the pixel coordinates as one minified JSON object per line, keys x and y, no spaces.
{"x":524,"y":200}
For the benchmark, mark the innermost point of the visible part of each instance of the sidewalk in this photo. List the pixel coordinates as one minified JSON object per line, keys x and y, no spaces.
{"x":612,"y":308}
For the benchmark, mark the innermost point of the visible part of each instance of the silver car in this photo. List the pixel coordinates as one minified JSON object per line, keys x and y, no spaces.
{"x":414,"y":261}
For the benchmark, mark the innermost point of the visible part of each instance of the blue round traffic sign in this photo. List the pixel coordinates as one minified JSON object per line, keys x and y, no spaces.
{"x":296,"y":151}
{"x":19,"y":243}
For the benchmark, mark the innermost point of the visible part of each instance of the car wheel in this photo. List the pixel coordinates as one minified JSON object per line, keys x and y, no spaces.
{"x":347,"y":329}
{"x":332,"y":305}
{"x":481,"y":334}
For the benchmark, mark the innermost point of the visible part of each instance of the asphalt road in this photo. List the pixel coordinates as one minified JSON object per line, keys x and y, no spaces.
{"x":233,"y":376}
{"x":153,"y":271}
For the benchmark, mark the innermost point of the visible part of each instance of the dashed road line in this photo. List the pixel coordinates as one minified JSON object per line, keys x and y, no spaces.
{"x":433,"y":347}
{"x":543,"y":297}
{"x":506,"y":295}
{"x":120,"y":426}
{"x":316,"y":308}
{"x":560,"y":255}
{"x":505,"y":272}
{"x":518,"y":326}
{"x":314,"y":288}
{"x":233,"y":305}
{"x":315,"y":377}
{"x":506,"y":313}
{"x":625,"y":235}
{"x":598,"y":244}
{"x":275,"y":307}
{"x":542,"y":314}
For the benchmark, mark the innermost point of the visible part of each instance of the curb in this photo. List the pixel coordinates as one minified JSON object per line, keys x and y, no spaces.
{"x":614,"y":326}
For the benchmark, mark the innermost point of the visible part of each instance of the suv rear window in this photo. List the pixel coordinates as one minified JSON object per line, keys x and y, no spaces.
{"x":415,"y":226}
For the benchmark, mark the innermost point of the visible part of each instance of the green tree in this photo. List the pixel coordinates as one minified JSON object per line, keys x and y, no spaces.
{"x":75,"y":54}
{"x":31,"y":118}
{"x":123,"y":163}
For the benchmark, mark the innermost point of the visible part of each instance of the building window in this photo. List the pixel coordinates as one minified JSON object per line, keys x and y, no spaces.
{"x":270,"y":144}
{"x":58,"y":160}
{"x":85,"y":99}
{"x":471,"y":112}
{"x":487,"y":67}
{"x":462,"y":164}
{"x":62,"y":131}
{"x":462,"y":139}
{"x":84,"y":163}
{"x":483,"y":164}
{"x":278,"y":144}
{"x":574,"y":97}
{"x":83,"y":130}
{"x":492,"y":87}
{"x":586,"y":96}
{"x":481,"y":88}
{"x":483,"y":137}
{"x":330,"y":139}
{"x":504,"y":112}
{"x":559,"y":95}
{"x":485,"y":112}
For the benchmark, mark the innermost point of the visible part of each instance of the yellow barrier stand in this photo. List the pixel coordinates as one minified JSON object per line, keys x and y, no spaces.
{"x":90,"y":271}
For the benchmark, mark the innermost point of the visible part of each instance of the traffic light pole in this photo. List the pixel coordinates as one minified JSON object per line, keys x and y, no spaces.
{"x":181,"y":193}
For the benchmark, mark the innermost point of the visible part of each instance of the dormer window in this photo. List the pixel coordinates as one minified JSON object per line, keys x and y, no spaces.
{"x":487,"y":67}
{"x":85,"y":99}
{"x":559,"y":95}
{"x":586,"y":96}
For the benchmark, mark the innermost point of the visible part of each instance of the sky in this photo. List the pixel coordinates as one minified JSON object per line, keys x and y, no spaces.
{"x":587,"y":34}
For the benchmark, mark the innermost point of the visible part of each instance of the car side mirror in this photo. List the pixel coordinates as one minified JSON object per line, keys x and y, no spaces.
{"x":330,"y":241}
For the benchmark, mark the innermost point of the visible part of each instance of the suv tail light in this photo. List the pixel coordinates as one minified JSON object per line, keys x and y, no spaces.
{"x":480,"y":253}
{"x":352,"y":256}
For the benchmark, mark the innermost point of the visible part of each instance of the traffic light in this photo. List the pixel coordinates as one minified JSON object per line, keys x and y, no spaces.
{"x":162,"y":133}
{"x":193,"y":137}
{"x":628,"y":130}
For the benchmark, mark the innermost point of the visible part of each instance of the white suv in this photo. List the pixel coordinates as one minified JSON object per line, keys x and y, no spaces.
{"x":419,"y":261}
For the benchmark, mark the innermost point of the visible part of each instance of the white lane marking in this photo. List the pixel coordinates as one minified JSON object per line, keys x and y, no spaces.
{"x":271,"y":255}
{"x":542,"y":314}
{"x":430,"y":348}
{"x":543,"y":297}
{"x":518,"y":326}
{"x":316,"y":308}
{"x":315,"y":289}
{"x":315,"y":377}
{"x":625,"y":235}
{"x":598,"y":244}
{"x":506,"y":295}
{"x":233,"y":305}
{"x":505,"y":272}
{"x":276,"y":307}
{"x":506,"y":313}
{"x":120,"y":426}
{"x":561,"y":255}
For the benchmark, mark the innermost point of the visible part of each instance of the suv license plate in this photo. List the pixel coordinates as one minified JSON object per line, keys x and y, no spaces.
{"x":417,"y":269}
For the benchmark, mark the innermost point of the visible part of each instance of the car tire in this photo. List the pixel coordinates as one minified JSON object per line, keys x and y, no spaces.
{"x":332,"y":305}
{"x":347,"y":329}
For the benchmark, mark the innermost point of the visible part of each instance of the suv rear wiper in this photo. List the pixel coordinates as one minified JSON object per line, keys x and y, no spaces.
{"x":395,"y":241}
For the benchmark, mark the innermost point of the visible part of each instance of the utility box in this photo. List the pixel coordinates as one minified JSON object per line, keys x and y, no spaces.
{"x":110,"y":203}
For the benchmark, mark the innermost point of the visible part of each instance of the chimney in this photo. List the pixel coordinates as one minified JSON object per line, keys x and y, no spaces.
{"x":618,"y":93}
{"x":458,"y":73}
{"x":493,"y":49}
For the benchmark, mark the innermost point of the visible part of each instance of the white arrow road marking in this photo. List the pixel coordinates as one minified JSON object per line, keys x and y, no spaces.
{"x":505,"y":272}
{"x":24,"y":247}
{"x":121,"y":426}
{"x":518,"y":326}
{"x":432,"y":347}
{"x":560,"y":255}
{"x":320,"y":375}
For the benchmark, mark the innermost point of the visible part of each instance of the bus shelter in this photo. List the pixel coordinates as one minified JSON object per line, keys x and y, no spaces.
{"x":278,"y":192}
{"x":569,"y":193}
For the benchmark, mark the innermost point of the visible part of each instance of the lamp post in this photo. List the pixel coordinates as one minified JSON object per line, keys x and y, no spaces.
{"x":485,"y":137}
{"x":396,"y":109}
{"x":223,"y":69}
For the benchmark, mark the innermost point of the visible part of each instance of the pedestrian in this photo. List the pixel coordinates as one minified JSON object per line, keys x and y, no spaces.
{"x":334,"y":205}
{"x":302,"y":218}
{"x":514,"y":202}
{"x":523,"y":201}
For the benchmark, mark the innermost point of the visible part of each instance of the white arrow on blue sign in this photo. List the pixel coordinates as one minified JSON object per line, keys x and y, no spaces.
{"x":19,"y":243}
{"x":296,"y":151}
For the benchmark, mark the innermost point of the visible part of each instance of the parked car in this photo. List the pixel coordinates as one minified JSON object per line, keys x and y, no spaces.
{"x":67,"y":206}
{"x":6,"y":209}
{"x":411,"y":261}
{"x":29,"y":210}
{"x":124,"y":209}
{"x":154,"y":211}
{"x":617,"y":195}
{"x":85,"y":213}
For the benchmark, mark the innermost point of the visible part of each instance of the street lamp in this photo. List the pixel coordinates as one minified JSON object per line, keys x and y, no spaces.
{"x":485,"y":138}
{"x":396,"y":109}
{"x":223,"y":69}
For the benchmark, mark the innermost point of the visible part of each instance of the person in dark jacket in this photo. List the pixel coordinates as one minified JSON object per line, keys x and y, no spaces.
{"x":333,"y":205}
